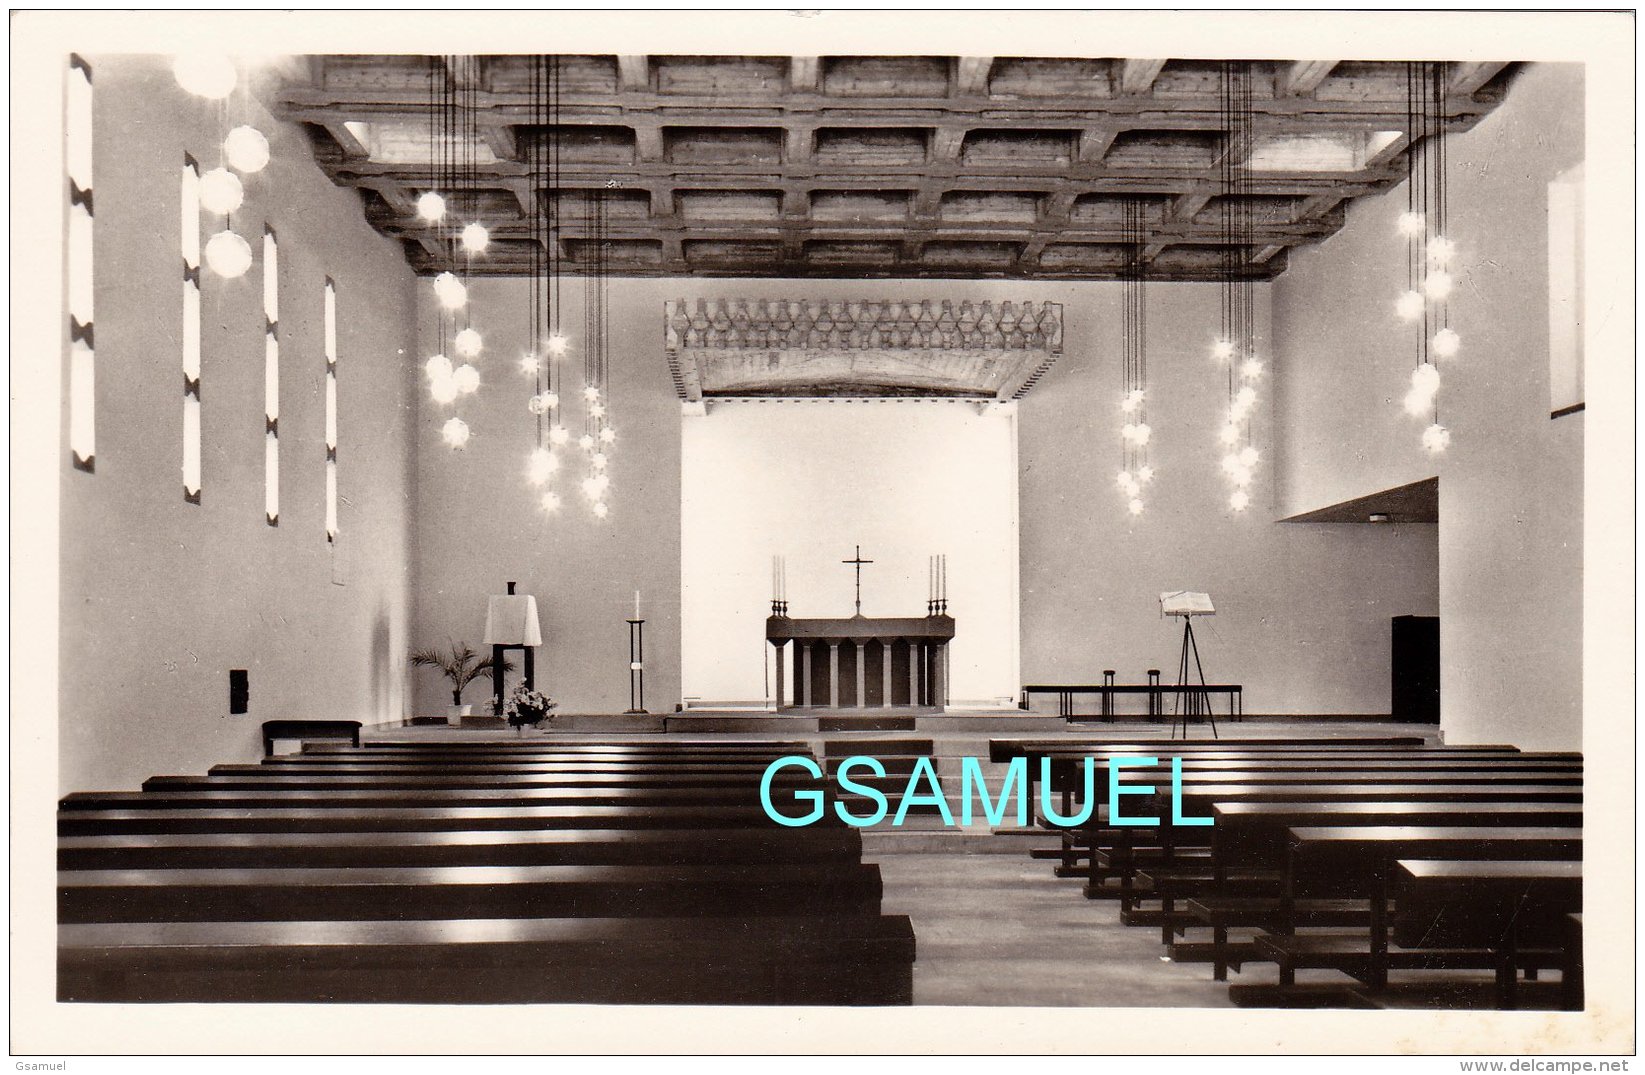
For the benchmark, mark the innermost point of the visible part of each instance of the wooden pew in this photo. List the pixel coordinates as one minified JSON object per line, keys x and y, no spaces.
{"x":338,"y":851}
{"x":309,"y":729}
{"x":746,"y":783}
{"x":816,"y":960}
{"x":1257,"y":836}
{"x":1177,"y":877}
{"x":1514,"y":909}
{"x":461,"y":847}
{"x":424,"y":818}
{"x":360,"y":798}
{"x":1200,"y":797}
{"x":1572,"y":979}
{"x":1359,"y":862}
{"x":464,"y":892}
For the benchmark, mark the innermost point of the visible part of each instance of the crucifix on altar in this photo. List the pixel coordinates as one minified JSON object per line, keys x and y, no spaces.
{"x":859,"y":561}
{"x":863,"y":662}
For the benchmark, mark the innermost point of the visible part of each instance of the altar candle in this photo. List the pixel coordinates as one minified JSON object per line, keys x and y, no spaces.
{"x":636,"y":604}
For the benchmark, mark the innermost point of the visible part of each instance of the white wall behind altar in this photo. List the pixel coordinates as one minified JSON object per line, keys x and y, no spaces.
{"x":813,"y":479}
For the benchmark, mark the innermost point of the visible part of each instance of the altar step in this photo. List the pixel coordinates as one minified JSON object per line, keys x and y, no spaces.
{"x":790,"y":722}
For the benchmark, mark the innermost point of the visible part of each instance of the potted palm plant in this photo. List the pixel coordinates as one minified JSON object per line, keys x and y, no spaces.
{"x":461,"y":666}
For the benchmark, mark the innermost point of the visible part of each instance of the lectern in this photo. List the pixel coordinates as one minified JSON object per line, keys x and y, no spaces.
{"x":511,"y":623}
{"x":1192,"y":701}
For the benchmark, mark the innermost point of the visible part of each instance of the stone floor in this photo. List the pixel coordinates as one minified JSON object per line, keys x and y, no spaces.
{"x":1002,"y":930}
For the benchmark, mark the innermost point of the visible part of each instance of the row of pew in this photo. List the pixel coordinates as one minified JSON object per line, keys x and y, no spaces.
{"x":528,"y":872}
{"x":1372,"y":858}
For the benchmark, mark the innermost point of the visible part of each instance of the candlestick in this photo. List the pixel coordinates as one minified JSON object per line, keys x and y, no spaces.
{"x":636,"y":663}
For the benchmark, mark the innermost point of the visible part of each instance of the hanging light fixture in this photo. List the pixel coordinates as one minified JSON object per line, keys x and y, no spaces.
{"x":543,"y":298}
{"x":205,"y":75}
{"x":1135,"y":433}
{"x":595,"y":344}
{"x":431,"y":207}
{"x":455,"y":432}
{"x":451,"y":169}
{"x":246,"y":149}
{"x":221,"y":191}
{"x":468,"y":343}
{"x":1235,"y":346}
{"x":1429,"y":253}
{"x":451,"y":292}
{"x":541,"y":465}
{"x":228,"y":255}
{"x":476,"y":238}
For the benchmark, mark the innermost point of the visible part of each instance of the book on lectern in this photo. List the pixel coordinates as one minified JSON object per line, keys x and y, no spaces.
{"x":1185,"y":603}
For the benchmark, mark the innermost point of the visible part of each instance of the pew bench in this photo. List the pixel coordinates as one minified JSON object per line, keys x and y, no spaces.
{"x":810,"y":960}
{"x":309,"y":729}
{"x":464,"y":892}
{"x":1515,"y":911}
{"x":423,"y":818}
{"x":474,"y":847}
{"x":1360,"y":862}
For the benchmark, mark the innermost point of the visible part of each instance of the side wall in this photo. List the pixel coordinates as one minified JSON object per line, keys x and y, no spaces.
{"x":481,"y":524}
{"x":1302,"y":610}
{"x":160,"y":598}
{"x":1511,"y":506}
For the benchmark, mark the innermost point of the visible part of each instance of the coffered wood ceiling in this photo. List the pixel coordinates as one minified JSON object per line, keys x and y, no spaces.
{"x":876,"y":166}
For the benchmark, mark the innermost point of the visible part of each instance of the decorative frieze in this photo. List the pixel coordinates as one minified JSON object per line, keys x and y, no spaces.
{"x":762,"y":347}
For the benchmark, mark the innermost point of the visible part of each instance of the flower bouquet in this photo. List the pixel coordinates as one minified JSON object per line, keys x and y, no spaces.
{"x":527,"y":706}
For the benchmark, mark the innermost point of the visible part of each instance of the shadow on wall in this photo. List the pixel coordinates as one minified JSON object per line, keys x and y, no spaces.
{"x":383,"y":669}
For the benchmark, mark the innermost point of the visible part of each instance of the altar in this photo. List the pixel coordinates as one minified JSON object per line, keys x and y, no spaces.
{"x":862,"y":662}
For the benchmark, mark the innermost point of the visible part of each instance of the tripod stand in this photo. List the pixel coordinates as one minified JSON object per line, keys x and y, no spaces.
{"x":1192,"y":703}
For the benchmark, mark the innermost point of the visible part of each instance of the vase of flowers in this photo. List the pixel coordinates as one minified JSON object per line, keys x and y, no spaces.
{"x":461,"y":666}
{"x":526,"y":706}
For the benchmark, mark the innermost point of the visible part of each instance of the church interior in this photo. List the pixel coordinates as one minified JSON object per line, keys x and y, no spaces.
{"x":979,"y":414}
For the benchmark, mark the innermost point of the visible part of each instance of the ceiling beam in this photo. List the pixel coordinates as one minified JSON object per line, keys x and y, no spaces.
{"x":1302,"y":78}
{"x":971,"y":76}
{"x":804,"y":74}
{"x":500,"y":137}
{"x":1187,"y":206}
{"x":634,"y":73}
{"x":465,"y":72}
{"x":1200,"y":113}
{"x":946,"y":143}
{"x":1137,"y":76}
{"x":1094,"y":143}
{"x":352,"y":146}
{"x":1468,"y":78}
